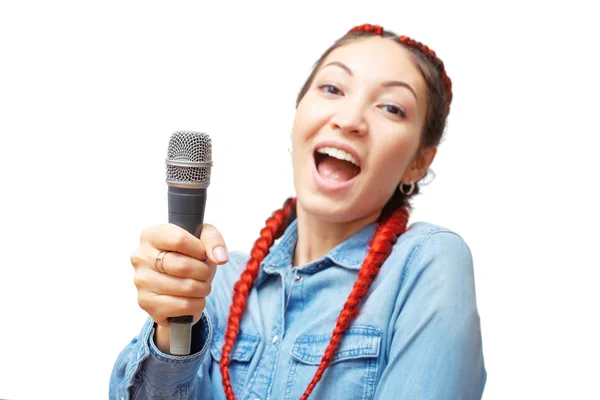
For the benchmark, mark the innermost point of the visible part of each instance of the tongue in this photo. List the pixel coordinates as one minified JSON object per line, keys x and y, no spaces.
{"x":337,"y":170}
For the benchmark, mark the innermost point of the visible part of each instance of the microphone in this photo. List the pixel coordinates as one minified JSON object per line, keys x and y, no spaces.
{"x":189,"y":160}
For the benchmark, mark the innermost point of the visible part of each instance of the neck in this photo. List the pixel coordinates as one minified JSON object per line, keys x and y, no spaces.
{"x":317,"y":237}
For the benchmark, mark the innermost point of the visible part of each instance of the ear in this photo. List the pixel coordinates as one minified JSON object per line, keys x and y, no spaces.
{"x":420,"y":164}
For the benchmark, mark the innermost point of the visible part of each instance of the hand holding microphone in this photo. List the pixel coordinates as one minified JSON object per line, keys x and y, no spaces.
{"x":175,"y":263}
{"x":179,"y":283}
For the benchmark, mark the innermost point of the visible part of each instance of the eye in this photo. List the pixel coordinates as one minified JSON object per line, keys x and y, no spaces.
{"x":331,"y":89}
{"x":394,"y":110}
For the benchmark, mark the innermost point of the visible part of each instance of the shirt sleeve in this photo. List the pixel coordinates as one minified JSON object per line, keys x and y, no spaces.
{"x":436,"y":348}
{"x":142,"y":371}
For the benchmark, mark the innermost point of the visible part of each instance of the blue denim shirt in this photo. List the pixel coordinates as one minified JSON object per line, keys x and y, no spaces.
{"x":417,"y":335}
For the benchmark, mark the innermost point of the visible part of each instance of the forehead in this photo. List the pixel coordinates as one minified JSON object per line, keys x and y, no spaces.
{"x":376,"y":59}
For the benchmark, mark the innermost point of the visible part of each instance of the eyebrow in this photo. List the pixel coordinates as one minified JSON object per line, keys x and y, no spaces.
{"x":384,"y":84}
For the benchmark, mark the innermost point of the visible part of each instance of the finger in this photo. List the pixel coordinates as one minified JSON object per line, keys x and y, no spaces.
{"x":216,"y":250}
{"x":161,"y":307}
{"x":182,"y":266}
{"x":161,"y":284}
{"x":174,"y":238}
{"x":181,"y":287}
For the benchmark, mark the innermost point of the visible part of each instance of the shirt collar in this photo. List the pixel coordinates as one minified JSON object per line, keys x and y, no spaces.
{"x":348,"y":254}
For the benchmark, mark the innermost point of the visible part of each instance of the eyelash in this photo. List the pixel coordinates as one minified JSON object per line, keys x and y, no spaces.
{"x":397,"y":110}
{"x":324,"y":87}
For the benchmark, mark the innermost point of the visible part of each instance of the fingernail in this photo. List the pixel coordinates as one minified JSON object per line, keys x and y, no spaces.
{"x":220,"y":254}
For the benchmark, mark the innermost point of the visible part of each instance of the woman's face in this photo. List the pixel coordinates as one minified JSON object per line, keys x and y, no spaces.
{"x":357,"y":130}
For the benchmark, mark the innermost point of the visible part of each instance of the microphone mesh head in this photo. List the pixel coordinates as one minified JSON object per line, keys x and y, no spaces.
{"x":189,"y":159}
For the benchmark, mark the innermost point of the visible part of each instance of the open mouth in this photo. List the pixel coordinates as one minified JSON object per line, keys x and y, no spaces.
{"x":336,"y":165}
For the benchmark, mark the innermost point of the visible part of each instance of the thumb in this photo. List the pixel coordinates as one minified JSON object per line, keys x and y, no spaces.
{"x":216,"y":250}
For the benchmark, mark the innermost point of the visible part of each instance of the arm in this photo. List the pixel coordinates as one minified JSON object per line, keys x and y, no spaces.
{"x":436,"y":350}
{"x":142,"y":371}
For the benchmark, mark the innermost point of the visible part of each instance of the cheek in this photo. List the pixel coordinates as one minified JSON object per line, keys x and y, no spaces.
{"x":301,"y":133}
{"x":393,"y":157}
{"x":310,"y":117}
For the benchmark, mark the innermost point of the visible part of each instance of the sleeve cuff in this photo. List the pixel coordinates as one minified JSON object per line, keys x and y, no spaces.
{"x":165,"y":371}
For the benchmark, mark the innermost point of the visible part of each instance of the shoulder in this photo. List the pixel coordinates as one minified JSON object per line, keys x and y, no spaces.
{"x":422,"y":231}
{"x":435,"y":259}
{"x":425,"y":241}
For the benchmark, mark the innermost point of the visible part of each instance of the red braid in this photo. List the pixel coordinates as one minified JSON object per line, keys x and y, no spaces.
{"x":380,"y":247}
{"x":275,"y":226}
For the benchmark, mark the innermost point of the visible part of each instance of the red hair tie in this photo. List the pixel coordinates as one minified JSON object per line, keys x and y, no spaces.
{"x":376,"y":29}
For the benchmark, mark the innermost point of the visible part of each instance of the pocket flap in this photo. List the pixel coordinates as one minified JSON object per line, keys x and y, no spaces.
{"x":360,"y":341}
{"x":243,"y":348}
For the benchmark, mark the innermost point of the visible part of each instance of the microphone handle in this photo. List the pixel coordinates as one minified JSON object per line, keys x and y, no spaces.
{"x":186,"y":210}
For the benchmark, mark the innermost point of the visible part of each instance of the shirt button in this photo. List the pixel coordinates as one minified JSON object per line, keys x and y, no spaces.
{"x":298,"y":278}
{"x":275,"y":338}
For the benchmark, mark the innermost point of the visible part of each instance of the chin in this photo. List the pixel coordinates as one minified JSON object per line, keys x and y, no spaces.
{"x":332,"y":210}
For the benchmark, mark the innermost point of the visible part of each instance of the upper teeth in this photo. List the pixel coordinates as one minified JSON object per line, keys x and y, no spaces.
{"x":337,"y":153}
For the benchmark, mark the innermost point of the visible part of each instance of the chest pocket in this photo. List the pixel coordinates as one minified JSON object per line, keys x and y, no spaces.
{"x":242,"y":353}
{"x":352,"y":372}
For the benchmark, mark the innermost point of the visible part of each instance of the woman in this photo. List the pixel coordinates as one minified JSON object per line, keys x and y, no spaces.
{"x":349,"y":303}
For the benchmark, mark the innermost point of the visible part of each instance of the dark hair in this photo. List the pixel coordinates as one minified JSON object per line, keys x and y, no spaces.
{"x":392,"y":222}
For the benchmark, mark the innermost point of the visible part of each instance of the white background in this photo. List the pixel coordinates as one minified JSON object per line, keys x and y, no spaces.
{"x":91,"y":91}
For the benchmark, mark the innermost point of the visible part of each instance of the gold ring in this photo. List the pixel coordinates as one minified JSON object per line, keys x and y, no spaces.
{"x":160,"y":257}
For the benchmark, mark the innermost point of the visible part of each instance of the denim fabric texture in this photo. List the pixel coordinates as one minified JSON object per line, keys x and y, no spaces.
{"x":417,"y":335}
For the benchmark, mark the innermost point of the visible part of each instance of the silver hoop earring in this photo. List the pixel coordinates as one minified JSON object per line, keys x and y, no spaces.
{"x":412,"y":188}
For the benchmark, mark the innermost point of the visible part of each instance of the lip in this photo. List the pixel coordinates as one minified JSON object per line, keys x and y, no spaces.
{"x":341,"y":146}
{"x":330,"y":186}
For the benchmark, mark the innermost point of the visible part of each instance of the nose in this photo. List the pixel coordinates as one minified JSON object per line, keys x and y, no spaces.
{"x":349,"y":118}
